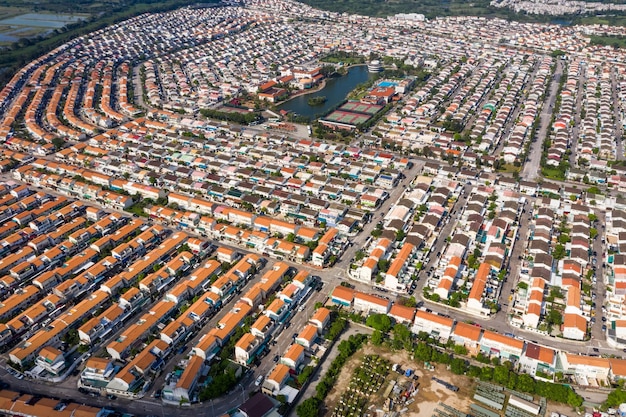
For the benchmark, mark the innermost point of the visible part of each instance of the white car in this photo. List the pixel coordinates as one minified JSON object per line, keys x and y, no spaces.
{"x":258,"y":381}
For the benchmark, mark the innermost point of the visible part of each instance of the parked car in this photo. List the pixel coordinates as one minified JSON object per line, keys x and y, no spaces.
{"x":258,"y":381}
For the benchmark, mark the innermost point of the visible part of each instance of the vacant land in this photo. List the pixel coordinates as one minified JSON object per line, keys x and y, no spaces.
{"x":430,"y":393}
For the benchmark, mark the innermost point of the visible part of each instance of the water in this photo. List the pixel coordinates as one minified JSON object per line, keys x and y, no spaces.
{"x":335,"y":91}
{"x":53,"y":21}
{"x":561,"y":22}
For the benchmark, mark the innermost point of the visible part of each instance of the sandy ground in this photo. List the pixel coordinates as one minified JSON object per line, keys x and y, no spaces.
{"x":430,"y":393}
{"x":563,"y":409}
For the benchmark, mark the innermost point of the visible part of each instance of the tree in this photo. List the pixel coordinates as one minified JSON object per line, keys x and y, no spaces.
{"x":554,"y":317}
{"x":380,"y":322}
{"x":423,"y":352}
{"x":336,"y":328}
{"x":615,"y":398}
{"x":309,"y":407}
{"x":474,"y":371}
{"x":501,"y":374}
{"x":558,"y":252}
{"x":458,"y":366}
{"x":58,"y":143}
{"x":401,"y":336}
{"x":460,"y":350}
{"x":377,"y":338}
{"x":305,"y":374}
{"x":410,"y":302}
{"x":525,"y":383}
{"x":486,"y":374}
{"x":573,"y":399}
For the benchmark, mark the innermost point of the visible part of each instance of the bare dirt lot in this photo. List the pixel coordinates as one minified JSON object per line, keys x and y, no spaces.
{"x":430,"y":392}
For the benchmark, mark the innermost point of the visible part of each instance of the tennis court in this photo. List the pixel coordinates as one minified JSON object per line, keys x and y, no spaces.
{"x":357,"y":106}
{"x":347,"y":117}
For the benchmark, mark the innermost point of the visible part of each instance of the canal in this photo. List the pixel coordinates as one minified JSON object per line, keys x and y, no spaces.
{"x":335,"y":91}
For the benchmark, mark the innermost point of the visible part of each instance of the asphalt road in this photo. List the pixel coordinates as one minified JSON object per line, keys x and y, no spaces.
{"x":532,"y":164}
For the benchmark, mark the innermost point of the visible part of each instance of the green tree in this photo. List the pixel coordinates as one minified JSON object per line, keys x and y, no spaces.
{"x":338,"y":325}
{"x":377,"y":338}
{"x":486,"y":374}
{"x":410,"y":302}
{"x":402,"y":336}
{"x":525,"y":383}
{"x":380,"y":322}
{"x":615,"y":398}
{"x":58,"y":143}
{"x":423,"y":352}
{"x":309,"y":407}
{"x":554,"y":317}
{"x":305,"y":374}
{"x":558,"y":252}
{"x":460,"y":350}
{"x":458,"y":366}
{"x":474,"y":371}
{"x":501,"y":374}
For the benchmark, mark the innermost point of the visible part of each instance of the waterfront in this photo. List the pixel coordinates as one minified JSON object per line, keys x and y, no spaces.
{"x":335,"y":91}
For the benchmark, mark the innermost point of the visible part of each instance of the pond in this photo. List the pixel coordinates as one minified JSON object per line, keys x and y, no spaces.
{"x":43,"y":20}
{"x":335,"y":91}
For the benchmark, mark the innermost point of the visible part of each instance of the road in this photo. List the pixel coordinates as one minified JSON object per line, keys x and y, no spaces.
{"x":577,"y":108}
{"x":532,"y":167}
{"x":617,"y":117}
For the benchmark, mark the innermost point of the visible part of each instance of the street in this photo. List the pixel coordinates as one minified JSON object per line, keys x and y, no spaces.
{"x":532,"y":164}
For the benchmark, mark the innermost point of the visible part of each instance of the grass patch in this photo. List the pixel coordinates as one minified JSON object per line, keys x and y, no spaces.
{"x":510,"y":168}
{"x":553,"y":173}
{"x":608,"y":40}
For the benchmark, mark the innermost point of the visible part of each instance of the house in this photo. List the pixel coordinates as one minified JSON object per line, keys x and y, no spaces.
{"x":188,"y":381}
{"x":435,"y":325}
{"x":246,"y":348}
{"x":368,"y":303}
{"x":538,"y":361}
{"x":294,"y":356}
{"x":320,"y":318}
{"x":307,"y":336}
{"x":618,"y":370}
{"x":467,"y":335}
{"x":475,"y":299}
{"x":587,"y":370}
{"x":342,"y":296}
{"x":262,"y":327}
{"x":51,"y":360}
{"x":207,"y":347}
{"x":259,"y":405}
{"x":505,"y":347}
{"x":402,"y":314}
{"x":97,"y":372}
{"x":276,"y":379}
{"x":574,"y":326}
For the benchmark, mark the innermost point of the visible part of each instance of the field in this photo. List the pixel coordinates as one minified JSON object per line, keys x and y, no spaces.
{"x":355,"y":106}
{"x":425,"y":401}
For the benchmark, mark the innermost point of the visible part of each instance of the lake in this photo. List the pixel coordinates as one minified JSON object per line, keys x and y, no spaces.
{"x":335,"y":91}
